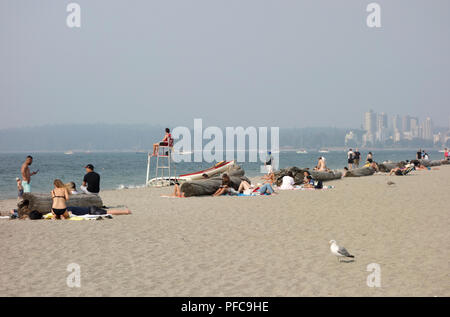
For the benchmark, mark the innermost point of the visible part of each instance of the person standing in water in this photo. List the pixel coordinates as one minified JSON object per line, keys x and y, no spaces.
{"x":26,"y":174}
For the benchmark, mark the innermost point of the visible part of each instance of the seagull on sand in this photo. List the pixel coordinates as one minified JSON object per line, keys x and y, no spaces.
{"x":338,"y":251}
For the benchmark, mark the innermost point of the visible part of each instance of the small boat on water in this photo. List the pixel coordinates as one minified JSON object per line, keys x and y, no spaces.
{"x":214,"y":170}
{"x":68,"y":152}
{"x":302,"y":151}
{"x":324,"y":151}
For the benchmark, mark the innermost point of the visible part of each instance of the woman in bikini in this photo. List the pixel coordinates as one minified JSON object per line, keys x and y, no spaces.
{"x":60,"y":196}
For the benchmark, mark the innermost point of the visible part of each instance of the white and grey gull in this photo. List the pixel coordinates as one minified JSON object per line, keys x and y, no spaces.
{"x":339,"y":252}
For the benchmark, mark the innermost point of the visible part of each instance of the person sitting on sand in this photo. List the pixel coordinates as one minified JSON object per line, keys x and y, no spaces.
{"x":288,"y":181}
{"x":22,"y":210}
{"x":305,"y":177}
{"x":266,"y":189}
{"x":310,"y":183}
{"x":91,"y":181}
{"x":71,"y":188}
{"x":226,"y":187}
{"x":166,"y":141}
{"x":269,"y":178}
{"x":60,"y":196}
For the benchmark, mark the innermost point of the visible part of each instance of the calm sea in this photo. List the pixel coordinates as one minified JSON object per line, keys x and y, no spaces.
{"x":120,"y":170}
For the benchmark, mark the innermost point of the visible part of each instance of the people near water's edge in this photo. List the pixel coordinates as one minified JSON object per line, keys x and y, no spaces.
{"x":269,"y":163}
{"x":321,"y":164}
{"x":419,"y":154}
{"x":357,"y":157}
{"x":369,"y":157}
{"x":446,"y":154}
{"x":166,"y":141}
{"x":91,"y":181}
{"x":350,"y":158}
{"x":26,"y":174}
{"x":19,"y":188}
{"x":60,"y":196}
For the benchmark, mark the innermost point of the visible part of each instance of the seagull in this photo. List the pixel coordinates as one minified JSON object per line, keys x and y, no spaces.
{"x":339,"y":251}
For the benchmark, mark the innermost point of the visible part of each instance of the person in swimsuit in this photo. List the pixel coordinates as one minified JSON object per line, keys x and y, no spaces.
{"x":26,"y":174}
{"x":166,"y":141}
{"x":60,"y":196}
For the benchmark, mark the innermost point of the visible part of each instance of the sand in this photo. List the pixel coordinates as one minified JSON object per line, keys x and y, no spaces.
{"x":243,"y":246}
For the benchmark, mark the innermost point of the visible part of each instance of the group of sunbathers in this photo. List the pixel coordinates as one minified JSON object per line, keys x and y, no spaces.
{"x":60,"y":195}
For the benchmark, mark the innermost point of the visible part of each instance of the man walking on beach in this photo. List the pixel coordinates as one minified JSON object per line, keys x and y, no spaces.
{"x":91,"y":181}
{"x":26,"y":175}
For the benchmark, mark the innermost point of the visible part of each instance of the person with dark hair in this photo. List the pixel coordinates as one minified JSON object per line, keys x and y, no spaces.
{"x":350,"y":158}
{"x":369,"y":158}
{"x":22,"y":210}
{"x":91,"y":181}
{"x":26,"y":174}
{"x":357,"y":158}
{"x":166,"y":141}
{"x":226,"y":187}
{"x":419,"y":154}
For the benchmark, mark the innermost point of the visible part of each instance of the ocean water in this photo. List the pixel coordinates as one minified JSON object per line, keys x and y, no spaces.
{"x":128,"y":169}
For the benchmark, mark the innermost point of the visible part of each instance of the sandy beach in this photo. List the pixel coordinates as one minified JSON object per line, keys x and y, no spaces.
{"x":243,"y":246}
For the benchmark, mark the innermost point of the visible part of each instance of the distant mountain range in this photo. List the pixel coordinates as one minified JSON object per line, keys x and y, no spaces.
{"x":124,"y":137}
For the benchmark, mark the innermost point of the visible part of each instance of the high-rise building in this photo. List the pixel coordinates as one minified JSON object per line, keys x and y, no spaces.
{"x":427,"y":129}
{"x":414,"y":127}
{"x":396,"y":123}
{"x":382,"y":124}
{"x":406,"y":123}
{"x":370,"y":121}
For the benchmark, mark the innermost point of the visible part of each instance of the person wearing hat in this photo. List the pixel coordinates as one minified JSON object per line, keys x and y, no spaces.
{"x":91,"y":181}
{"x":269,"y":162}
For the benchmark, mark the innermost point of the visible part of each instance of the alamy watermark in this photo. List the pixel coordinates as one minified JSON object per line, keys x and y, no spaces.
{"x":236,"y":146}
{"x":374,"y":278}
{"x":74,"y":278}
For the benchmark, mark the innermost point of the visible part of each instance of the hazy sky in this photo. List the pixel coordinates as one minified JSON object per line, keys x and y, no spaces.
{"x":287,"y":63}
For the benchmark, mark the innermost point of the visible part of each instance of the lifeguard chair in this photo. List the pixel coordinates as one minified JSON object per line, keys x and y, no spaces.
{"x":163,"y":163}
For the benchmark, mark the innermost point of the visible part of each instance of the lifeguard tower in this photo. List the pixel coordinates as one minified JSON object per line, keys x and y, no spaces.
{"x":163,"y":166}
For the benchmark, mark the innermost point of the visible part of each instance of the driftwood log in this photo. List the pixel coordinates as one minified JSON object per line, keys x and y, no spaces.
{"x":445,"y":162}
{"x":386,"y":167}
{"x":358,"y":172}
{"x":298,"y":174}
{"x":430,"y":163}
{"x":43,"y":202}
{"x":209,"y":186}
